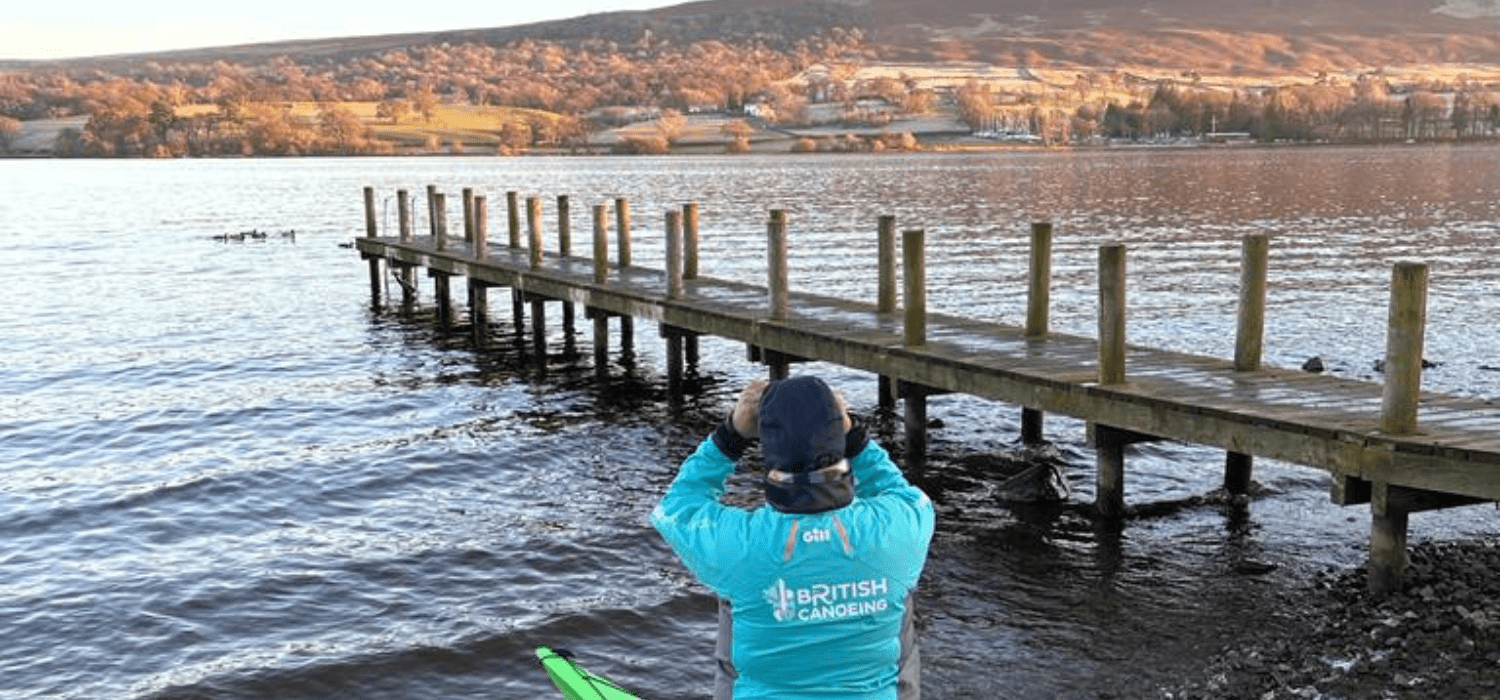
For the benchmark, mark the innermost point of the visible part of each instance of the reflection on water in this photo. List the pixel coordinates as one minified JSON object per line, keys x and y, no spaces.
{"x":228,"y":476}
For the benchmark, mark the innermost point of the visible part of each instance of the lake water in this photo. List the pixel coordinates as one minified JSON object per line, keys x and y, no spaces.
{"x":228,"y":475}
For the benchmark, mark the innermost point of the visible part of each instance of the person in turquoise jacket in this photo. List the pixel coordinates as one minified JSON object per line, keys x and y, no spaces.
{"x":816,"y":585}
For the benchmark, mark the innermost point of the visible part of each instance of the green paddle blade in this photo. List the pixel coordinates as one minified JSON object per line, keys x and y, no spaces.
{"x":577,"y":683}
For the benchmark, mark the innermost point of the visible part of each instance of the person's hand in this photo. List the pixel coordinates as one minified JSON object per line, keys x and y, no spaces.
{"x":745,"y":418}
{"x":838,"y":397}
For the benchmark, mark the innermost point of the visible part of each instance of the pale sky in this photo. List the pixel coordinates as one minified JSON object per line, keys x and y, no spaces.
{"x":46,"y":29}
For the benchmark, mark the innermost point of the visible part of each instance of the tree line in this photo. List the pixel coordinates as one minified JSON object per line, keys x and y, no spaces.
{"x":183,"y":108}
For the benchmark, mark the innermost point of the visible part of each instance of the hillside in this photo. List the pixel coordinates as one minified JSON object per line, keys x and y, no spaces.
{"x":749,"y":75}
{"x":1266,"y":37}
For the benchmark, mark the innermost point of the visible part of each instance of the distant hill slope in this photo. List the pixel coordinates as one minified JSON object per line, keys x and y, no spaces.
{"x":1247,"y":37}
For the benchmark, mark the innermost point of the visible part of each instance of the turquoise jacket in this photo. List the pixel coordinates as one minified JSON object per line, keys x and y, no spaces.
{"x":818,"y":600}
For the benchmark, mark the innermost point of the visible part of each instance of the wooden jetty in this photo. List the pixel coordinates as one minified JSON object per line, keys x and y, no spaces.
{"x":1390,"y":445}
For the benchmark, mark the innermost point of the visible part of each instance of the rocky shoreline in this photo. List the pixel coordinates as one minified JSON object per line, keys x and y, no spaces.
{"x":1438,"y":638}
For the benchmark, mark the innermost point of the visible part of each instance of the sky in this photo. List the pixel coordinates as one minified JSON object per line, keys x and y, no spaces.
{"x":48,"y":29}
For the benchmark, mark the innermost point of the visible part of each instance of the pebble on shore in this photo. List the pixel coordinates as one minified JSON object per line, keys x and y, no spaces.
{"x":1438,"y":638}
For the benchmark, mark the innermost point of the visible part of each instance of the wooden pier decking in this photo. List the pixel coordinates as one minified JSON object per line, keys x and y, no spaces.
{"x":1448,"y":456}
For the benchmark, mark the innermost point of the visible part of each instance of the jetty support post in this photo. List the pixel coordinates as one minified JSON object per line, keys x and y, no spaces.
{"x":565,"y":249}
{"x":690,"y":272}
{"x":468,"y":194}
{"x":1038,"y":305}
{"x":1248,"y":343}
{"x":778,"y":285}
{"x":601,"y":276}
{"x":622,"y":259}
{"x":513,"y":241}
{"x":885,"y":295}
{"x":406,"y":276}
{"x":914,"y":277}
{"x":1405,"y":344}
{"x":673,"y":335}
{"x":440,"y":280}
{"x":371,"y":230}
{"x":538,"y":304}
{"x":479,"y":295}
{"x":1110,"y":443}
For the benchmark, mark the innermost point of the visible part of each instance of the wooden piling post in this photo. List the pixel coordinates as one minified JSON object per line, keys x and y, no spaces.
{"x":776,"y":265}
{"x":690,"y":241}
{"x":539,"y":331}
{"x":885,"y":294}
{"x":534,"y":231}
{"x":407,"y":273}
{"x":674,"y":254}
{"x":690,"y":271}
{"x":439,"y":279}
{"x":1388,"y":531}
{"x":513,"y":218}
{"x":468,"y":194}
{"x":601,"y":275}
{"x":622,"y":231}
{"x":564,"y":227}
{"x":1404,"y":347}
{"x":439,"y":220}
{"x":1249,"y":342}
{"x":1038,"y":310}
{"x":914,"y":268}
{"x":479,"y":294}
{"x":1110,"y":443}
{"x":622,"y":259}
{"x":480,"y":215}
{"x":370,"y":222}
{"x":403,"y":214}
{"x":1109,"y":451}
{"x":914,"y":275}
{"x":565,"y":249}
{"x":431,"y":211}
{"x":371,"y":230}
{"x":1112,"y":314}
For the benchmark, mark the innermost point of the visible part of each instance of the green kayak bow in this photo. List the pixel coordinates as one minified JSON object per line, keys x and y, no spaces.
{"x":574,"y":682}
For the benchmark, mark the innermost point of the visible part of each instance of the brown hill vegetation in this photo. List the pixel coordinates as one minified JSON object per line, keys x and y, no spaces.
{"x":868,"y":71}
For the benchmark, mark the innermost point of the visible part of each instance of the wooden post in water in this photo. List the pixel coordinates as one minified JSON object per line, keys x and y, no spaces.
{"x":778,"y":285}
{"x":431,"y":211}
{"x":371,"y":230}
{"x":674,"y":254}
{"x":622,"y":259}
{"x":886,"y":294}
{"x":914,"y":274}
{"x":513,"y":241}
{"x":690,"y":241}
{"x":538,"y":305}
{"x":440,"y":236}
{"x":601,"y":275}
{"x":674,"y":291}
{"x":403,"y":214}
{"x":565,"y":249}
{"x":1249,"y":342}
{"x":479,"y":295}
{"x":534,"y":231}
{"x":513,"y":218}
{"x":915,"y":268}
{"x":1404,"y":347}
{"x":622,"y":231}
{"x":690,"y":272}
{"x":1109,"y":443}
{"x":1038,"y":308}
{"x":407,"y":274}
{"x":468,"y":193}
